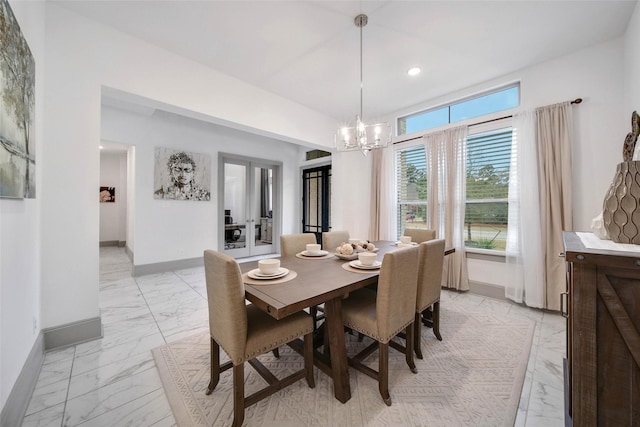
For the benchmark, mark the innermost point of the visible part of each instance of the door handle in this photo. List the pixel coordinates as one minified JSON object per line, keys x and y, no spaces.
{"x":564,"y":304}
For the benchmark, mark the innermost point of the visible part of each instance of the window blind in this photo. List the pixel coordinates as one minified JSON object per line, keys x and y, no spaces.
{"x":488,"y":158}
{"x":411,"y":184}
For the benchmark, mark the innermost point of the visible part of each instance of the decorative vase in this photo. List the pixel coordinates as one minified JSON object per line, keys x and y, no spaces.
{"x":621,"y":208}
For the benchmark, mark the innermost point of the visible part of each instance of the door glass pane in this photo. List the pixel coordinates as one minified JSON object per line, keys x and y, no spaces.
{"x":263,"y":205}
{"x":313,"y":180}
{"x":235,"y":215}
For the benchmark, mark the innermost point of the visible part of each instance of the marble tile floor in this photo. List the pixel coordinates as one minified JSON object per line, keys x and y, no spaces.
{"x":114,"y":382}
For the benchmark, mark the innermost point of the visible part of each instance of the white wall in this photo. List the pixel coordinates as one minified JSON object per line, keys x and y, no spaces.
{"x":82,"y":56}
{"x":167,"y":230}
{"x":20,"y":234}
{"x":131,"y":195}
{"x":632,"y":65}
{"x":113,"y":173}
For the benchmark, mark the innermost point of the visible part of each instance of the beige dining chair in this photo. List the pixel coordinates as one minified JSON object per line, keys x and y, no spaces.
{"x":245,"y":332}
{"x":332,"y":239}
{"x":291,"y":244}
{"x":384,"y":313}
{"x":431,"y":262}
{"x":419,"y":235}
{"x":430,"y":267}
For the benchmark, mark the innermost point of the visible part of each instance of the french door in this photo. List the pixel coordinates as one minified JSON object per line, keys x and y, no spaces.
{"x":250,"y":200}
{"x":316,"y":200}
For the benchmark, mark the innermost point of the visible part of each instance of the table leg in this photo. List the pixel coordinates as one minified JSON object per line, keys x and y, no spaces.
{"x":338,"y":349}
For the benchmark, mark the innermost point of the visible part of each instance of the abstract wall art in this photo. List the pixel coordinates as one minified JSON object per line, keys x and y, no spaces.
{"x":17,"y":105}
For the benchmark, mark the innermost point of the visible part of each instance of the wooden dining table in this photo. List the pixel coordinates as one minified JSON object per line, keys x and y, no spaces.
{"x":317,"y":281}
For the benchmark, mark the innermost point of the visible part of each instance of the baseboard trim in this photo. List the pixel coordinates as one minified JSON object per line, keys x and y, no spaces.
{"x":116,"y":243}
{"x":72,"y":333}
{"x":129,"y":253}
{"x":488,"y":290}
{"x":163,"y":267}
{"x":18,"y":400}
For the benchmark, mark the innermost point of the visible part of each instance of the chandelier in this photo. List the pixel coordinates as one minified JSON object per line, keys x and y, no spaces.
{"x":362,"y":136}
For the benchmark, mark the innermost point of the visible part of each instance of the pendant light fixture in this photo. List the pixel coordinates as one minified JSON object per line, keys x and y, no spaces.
{"x":362,"y":137}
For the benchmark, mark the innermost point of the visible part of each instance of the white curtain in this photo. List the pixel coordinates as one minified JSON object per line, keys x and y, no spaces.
{"x":524,"y":248}
{"x":540,"y":196}
{"x":383,"y":197}
{"x":446,"y":195}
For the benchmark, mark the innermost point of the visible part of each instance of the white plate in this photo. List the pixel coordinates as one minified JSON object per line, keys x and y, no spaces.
{"x":315,"y":254}
{"x":412,"y":243}
{"x":357,"y":264}
{"x":256,"y":274}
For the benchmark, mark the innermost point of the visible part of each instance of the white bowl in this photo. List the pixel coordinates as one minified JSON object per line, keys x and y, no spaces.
{"x":367,"y":258}
{"x":405,"y":239}
{"x":269,"y":266}
{"x":313,"y":248}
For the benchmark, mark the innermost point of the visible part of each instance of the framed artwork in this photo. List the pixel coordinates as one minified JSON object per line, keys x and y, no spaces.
{"x":181,"y":175}
{"x":107,"y":194}
{"x":17,"y":110}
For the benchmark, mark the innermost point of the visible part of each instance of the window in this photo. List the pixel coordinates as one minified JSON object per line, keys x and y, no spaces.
{"x":488,"y":157}
{"x":411,"y":179}
{"x":487,"y":103}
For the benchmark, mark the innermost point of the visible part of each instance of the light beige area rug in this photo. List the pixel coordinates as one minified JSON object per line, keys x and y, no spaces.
{"x":473,"y":377}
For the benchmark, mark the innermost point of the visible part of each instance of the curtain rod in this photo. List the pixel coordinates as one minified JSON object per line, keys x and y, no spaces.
{"x":575,"y":101}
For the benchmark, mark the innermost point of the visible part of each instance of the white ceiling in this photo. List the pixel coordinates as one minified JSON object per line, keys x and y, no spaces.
{"x":308,"y":51}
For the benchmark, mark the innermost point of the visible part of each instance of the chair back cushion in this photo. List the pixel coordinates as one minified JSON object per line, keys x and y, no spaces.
{"x":331,"y":239}
{"x":227,"y":311}
{"x":431,"y":262}
{"x":420,"y":235}
{"x":291,"y":244}
{"x":396,"y":299}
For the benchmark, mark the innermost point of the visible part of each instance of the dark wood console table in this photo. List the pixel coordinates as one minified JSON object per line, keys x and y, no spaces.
{"x":602,"y":307}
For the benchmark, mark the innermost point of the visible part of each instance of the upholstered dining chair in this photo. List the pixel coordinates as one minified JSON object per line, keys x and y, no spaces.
{"x":430,"y":266}
{"x":382,"y":314}
{"x":431,"y":262}
{"x":291,"y":244}
{"x":245,"y":332}
{"x":419,"y":235}
{"x":331,"y":239}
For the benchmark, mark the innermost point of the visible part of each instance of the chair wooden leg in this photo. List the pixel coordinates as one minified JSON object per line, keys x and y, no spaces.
{"x":408,"y":353}
{"x":313,"y":310}
{"x":417,"y":334}
{"x":238,"y":395}
{"x":215,"y":366}
{"x":308,"y":359}
{"x":383,"y":372}
{"x":276,"y":353}
{"x":436,"y":320}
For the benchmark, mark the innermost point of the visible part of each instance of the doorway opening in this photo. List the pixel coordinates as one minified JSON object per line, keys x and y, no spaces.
{"x":250,"y":203}
{"x":316,"y":200}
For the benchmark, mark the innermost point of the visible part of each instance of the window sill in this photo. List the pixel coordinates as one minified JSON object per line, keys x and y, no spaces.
{"x":485,"y":254}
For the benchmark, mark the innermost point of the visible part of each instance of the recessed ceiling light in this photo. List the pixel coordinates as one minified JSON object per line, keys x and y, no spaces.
{"x":414,"y":71}
{"x":101,"y":147}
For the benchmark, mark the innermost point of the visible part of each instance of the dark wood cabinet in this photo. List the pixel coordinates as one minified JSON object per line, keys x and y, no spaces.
{"x":602,"y":306}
